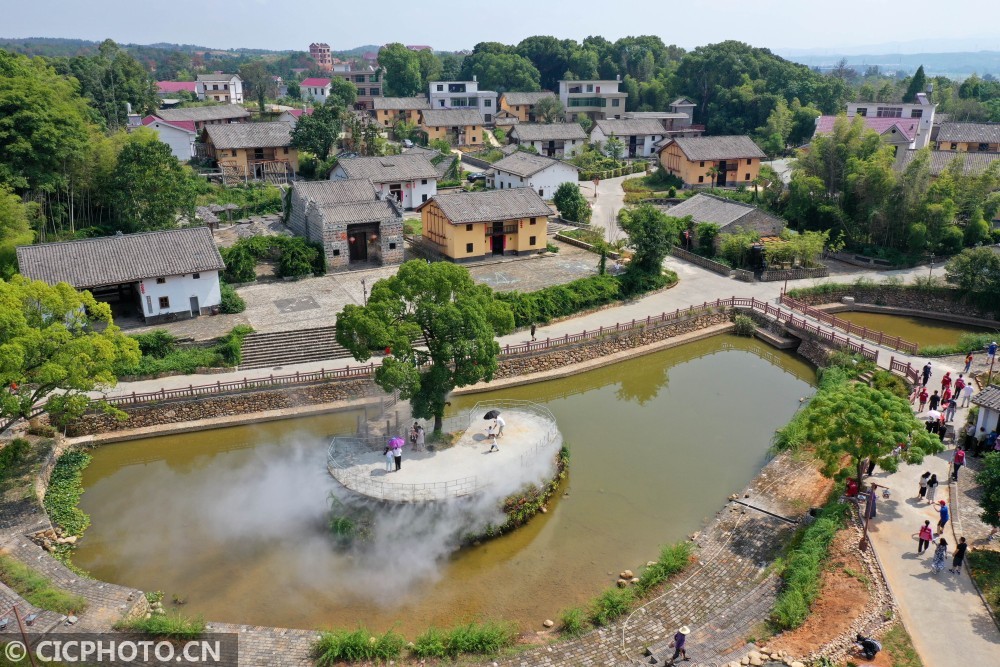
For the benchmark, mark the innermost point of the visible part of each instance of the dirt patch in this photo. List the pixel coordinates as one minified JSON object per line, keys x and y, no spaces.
{"x":843,"y":598}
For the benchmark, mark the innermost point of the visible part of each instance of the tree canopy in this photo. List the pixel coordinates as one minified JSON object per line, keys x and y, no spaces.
{"x":988,"y":478}
{"x":570,"y":203}
{"x":437,"y":305}
{"x":401,"y":71}
{"x":651,"y":235}
{"x":318,"y":132}
{"x":497,"y":67}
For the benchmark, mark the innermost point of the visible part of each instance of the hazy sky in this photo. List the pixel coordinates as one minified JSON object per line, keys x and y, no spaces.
{"x":450,"y":25}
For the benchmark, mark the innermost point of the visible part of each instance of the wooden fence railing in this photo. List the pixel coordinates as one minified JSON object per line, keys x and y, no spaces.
{"x":895,"y":342}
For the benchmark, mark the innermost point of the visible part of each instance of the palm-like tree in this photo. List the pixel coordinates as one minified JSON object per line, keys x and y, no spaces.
{"x":713,"y":173}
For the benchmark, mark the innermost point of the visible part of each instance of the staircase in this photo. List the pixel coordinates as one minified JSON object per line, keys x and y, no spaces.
{"x":280,"y":348}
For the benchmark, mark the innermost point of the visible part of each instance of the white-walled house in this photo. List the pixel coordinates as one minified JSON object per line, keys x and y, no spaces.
{"x":180,"y":135}
{"x":988,"y":401}
{"x":410,"y":178}
{"x":542,"y":174}
{"x":316,"y":89}
{"x":552,"y":139}
{"x":166,"y":275}
{"x":220,"y":87}
{"x":639,"y":136}
{"x":291,"y":116}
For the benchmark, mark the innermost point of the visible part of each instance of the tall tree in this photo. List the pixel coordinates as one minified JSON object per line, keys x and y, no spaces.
{"x":401,"y":67}
{"x":651,"y":235}
{"x":259,"y":81}
{"x":437,"y":305}
{"x":56,"y":344}
{"x":430,"y":67}
{"x":318,"y":132}
{"x":15,"y":229}
{"x":497,"y":68}
{"x":988,"y":479}
{"x":343,"y":94}
{"x":550,"y":110}
{"x":918,"y":84}
{"x":549,"y":56}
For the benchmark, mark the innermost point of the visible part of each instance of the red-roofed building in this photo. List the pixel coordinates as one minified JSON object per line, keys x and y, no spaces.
{"x":167,"y":88}
{"x":894,"y":131}
{"x":315,"y":88}
{"x":291,"y":116}
{"x":180,"y":135}
{"x":900,"y":125}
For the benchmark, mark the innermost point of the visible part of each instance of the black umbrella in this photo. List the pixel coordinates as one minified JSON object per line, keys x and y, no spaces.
{"x":492,"y":414}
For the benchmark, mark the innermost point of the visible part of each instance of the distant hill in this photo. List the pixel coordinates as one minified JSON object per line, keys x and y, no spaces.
{"x":53,"y":47}
{"x":954,"y":65}
{"x":358,"y":51}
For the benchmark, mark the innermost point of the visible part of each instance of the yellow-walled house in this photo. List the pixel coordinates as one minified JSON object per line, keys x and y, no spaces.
{"x":969,"y":137}
{"x":466,"y":226}
{"x":390,"y":110}
{"x":253,"y":151}
{"x":704,"y":161}
{"x":522,"y":105}
{"x":460,"y":127}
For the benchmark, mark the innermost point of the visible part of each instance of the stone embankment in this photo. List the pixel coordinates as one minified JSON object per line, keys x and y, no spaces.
{"x":933,"y":300}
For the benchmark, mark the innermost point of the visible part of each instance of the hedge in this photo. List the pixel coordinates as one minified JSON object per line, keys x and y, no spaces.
{"x":545,"y":304}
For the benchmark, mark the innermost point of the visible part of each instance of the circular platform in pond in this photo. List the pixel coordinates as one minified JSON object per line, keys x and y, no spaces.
{"x":527,"y":455}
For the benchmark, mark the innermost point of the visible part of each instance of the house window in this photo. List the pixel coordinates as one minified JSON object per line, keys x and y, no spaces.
{"x":284,"y":149}
{"x":954,"y":146}
{"x":533,"y":221}
{"x":541,"y":193}
{"x":917,"y":113}
{"x":616,"y":102}
{"x":359,"y":79}
{"x":746,"y":177}
{"x":862,"y":111}
{"x":701,"y":179}
{"x":392,"y":246}
{"x":889,"y":112}
{"x":702,"y":164}
{"x":487,"y":103}
{"x":749,"y":161}
{"x":160,"y":281}
{"x":531,"y":240}
{"x":473,"y":138}
{"x":468,"y":228}
{"x":423,"y":181}
{"x":423,"y":198}
{"x":373,"y":91}
{"x":164,"y":302}
{"x":590,"y":87}
{"x":440,"y":88}
{"x":468,"y":247}
{"x":149,"y":304}
{"x":336,"y":252}
{"x":984,"y":147}
{"x":195,"y":276}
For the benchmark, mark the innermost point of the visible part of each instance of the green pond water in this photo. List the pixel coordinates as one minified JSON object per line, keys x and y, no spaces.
{"x":919,"y":330}
{"x":233,"y":520}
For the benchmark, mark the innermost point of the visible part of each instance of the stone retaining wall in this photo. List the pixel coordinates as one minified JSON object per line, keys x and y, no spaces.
{"x":703,"y":262}
{"x":941,"y":299}
{"x":772,"y":275}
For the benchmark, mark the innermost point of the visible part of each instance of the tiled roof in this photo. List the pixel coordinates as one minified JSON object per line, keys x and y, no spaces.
{"x":985,"y":133}
{"x":250,"y":135}
{"x":176,"y":86}
{"x":717,"y":148}
{"x":630,"y":126}
{"x":526,"y":98}
{"x":449,"y":117}
{"x":391,"y":168}
{"x":315,"y":82}
{"x":217,"y":77}
{"x":343,"y":191}
{"x":490,"y":205}
{"x":400,"y":103}
{"x":549,"y":131}
{"x":368,"y":211}
{"x":906,"y":126}
{"x":706,"y":208}
{"x":298,"y":113}
{"x":126,"y":258}
{"x":681,"y":101}
{"x":220,"y":112}
{"x":526,"y":164}
{"x":988,"y":398}
{"x":974,"y":163}
{"x":186,"y":125}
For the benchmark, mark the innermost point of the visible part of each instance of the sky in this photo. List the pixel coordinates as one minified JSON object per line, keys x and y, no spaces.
{"x":785,"y":26}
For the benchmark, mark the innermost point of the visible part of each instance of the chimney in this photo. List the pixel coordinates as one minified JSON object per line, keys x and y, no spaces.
{"x":474,"y":78}
{"x":618,"y":77}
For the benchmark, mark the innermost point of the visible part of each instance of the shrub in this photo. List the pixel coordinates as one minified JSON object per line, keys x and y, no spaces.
{"x":63,"y":494}
{"x":232,"y":302}
{"x":744,"y":326}
{"x":353,"y":646}
{"x":551,"y":247}
{"x":158,"y":343}
{"x":38,"y":589}
{"x":673,"y":558}
{"x":891,"y":383}
{"x":560,"y":300}
{"x":297,"y":258}
{"x":230,"y":347}
{"x":171,"y":626}
{"x":573,"y":622}
{"x":610,"y":605}
{"x":13,"y":454}
{"x":240,"y":264}
{"x":487,"y":638}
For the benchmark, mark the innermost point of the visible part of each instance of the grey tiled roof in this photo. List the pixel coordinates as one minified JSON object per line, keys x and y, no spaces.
{"x":988,"y":398}
{"x":972,"y":163}
{"x":707,"y":208}
{"x":986,"y":133}
{"x":629,"y":126}
{"x":198,"y":114}
{"x":391,"y":168}
{"x":400,"y":103}
{"x":549,"y":131}
{"x":344,"y":191}
{"x":526,"y":98}
{"x":368,"y":211}
{"x":452,"y":117}
{"x":490,"y":205}
{"x":217,"y":77}
{"x":250,"y":135}
{"x":126,"y":258}
{"x":718,"y":148}
{"x":525,"y":164}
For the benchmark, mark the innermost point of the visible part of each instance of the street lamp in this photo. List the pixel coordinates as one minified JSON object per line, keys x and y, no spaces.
{"x":364,"y":292}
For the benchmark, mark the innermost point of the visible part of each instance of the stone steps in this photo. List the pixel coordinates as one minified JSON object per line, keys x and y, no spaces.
{"x":279,"y":348}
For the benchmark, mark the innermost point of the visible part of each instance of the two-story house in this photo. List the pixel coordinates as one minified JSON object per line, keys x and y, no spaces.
{"x":315,"y":88}
{"x":461,"y":127}
{"x":463,"y":95}
{"x":522,"y":105}
{"x":411,"y":179}
{"x":639,"y":136}
{"x":724,"y":161}
{"x":253,"y":151}
{"x":903,"y":126}
{"x":594,"y":98}
{"x":367,"y":80}
{"x":388,"y":111}
{"x":220,"y":87}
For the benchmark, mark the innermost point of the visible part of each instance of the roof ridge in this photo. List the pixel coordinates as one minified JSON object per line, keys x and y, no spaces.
{"x":117,"y":235}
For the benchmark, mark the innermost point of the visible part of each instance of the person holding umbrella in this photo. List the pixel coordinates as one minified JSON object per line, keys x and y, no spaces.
{"x":397,"y":451}
{"x":494,"y":430}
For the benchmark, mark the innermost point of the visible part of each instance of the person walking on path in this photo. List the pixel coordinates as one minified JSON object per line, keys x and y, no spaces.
{"x":923,"y":398}
{"x":932,"y":485}
{"x":678,"y":644}
{"x":940,"y":553}
{"x":949,"y":413}
{"x":532,"y":332}
{"x":943,"y":511}
{"x":959,"y":556}
{"x":945,"y":397}
{"x":397,"y":455}
{"x":968,"y":362}
{"x":500,"y":423}
{"x":959,"y":384}
{"x":991,"y":352}
{"x":388,"y":459}
{"x":957,"y":462}
{"x":946,"y":382}
{"x":935,"y":400}
{"x":923,"y":484}
{"x":927,"y":373}
{"x":421,"y":438}
{"x":966,"y":395}
{"x":925,"y":537}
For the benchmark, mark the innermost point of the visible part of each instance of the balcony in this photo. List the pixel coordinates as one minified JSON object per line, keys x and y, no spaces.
{"x":506,"y":229}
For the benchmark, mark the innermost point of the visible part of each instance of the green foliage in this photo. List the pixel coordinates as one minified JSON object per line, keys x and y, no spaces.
{"x":549,"y":110}
{"x":673,"y":558}
{"x":158,"y":343}
{"x":318,"y":132}
{"x":744,"y":326}
{"x":611,"y":605}
{"x":892,"y":383}
{"x":230,"y":346}
{"x":975,"y":269}
{"x":706,"y":233}
{"x":441,"y":145}
{"x":499,"y":134}
{"x":15,"y":229}
{"x":977,"y":230}
{"x":63,"y":494}
{"x":735,"y":248}
{"x":12,"y":454}
{"x":38,"y":589}
{"x":488,"y":638}
{"x":573,"y":622}
{"x":167,"y":626}
{"x":651,"y":235}
{"x":803,"y":567}
{"x":401,"y":71}
{"x":355,"y":646}
{"x":231,"y":302}
{"x":988,"y":478}
{"x":251,"y":198}
{"x":258,"y":83}
{"x":497,"y":67}
{"x":298,"y":258}
{"x":984,"y":565}
{"x":571,"y":204}
{"x":592,"y":235}
{"x":160,"y":353}
{"x":555,"y":301}
{"x":241,"y":264}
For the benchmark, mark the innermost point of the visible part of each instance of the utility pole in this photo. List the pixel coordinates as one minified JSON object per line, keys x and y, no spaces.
{"x":930,"y":269}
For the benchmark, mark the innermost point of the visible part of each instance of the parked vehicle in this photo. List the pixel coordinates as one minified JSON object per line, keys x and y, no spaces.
{"x":476,"y":176}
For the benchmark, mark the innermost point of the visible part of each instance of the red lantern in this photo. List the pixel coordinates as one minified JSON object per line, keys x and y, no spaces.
{"x":388,"y":351}
{"x":374,"y":238}
{"x":351,"y":239}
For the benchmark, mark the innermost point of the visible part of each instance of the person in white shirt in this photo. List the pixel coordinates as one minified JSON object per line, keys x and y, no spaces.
{"x":500,"y":423}
{"x":966,"y":395}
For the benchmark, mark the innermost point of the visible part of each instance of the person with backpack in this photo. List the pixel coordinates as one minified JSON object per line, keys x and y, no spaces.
{"x":869,"y":646}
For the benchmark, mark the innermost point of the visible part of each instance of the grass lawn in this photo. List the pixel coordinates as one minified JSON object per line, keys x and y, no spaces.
{"x":413,"y":227}
{"x":591,"y":236}
{"x":38,"y":589}
{"x":899,"y":646}
{"x":985,"y":568}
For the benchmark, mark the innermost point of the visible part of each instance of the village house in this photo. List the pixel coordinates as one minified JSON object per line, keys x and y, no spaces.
{"x":731,"y":216}
{"x":460,"y":127}
{"x":180,"y":135}
{"x":903,"y":126}
{"x":463,"y":95}
{"x":356,"y":223}
{"x":171,"y":88}
{"x":988,"y":401}
{"x":441,"y":162}
{"x":725,"y":161}
{"x":410,"y":179}
{"x":252,"y":151}
{"x":969,"y":137}
{"x":522,"y":105}
{"x":219,"y":87}
{"x":551,"y":139}
{"x":320,"y":53}
{"x":639,"y":136}
{"x":542,"y":174}
{"x":390,"y":110}
{"x":165,"y":275}
{"x":316,"y":89}
{"x":367,"y":80}
{"x":203,"y":116}
{"x":291,"y":116}
{"x":595,"y":98}
{"x":973,"y":163}
{"x":900,"y":133}
{"x":466,"y":226}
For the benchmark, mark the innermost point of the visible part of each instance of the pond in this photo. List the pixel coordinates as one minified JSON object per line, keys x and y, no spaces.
{"x":919,"y":330}
{"x":232,"y":521}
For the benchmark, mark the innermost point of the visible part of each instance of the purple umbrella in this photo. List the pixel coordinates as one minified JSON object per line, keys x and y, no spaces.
{"x":396,"y":442}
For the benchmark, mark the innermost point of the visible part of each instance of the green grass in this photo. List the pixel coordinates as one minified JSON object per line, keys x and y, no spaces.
{"x":413,"y":227}
{"x":63,"y":494}
{"x":489,"y":638}
{"x":38,"y":589}
{"x":172,"y":626}
{"x":160,"y":353}
{"x":985,"y":568}
{"x":357,"y":645}
{"x":611,"y":605}
{"x":591,"y":235}
{"x":967,"y":342}
{"x":673,"y":558}
{"x":899,"y":646}
{"x":573,"y":622}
